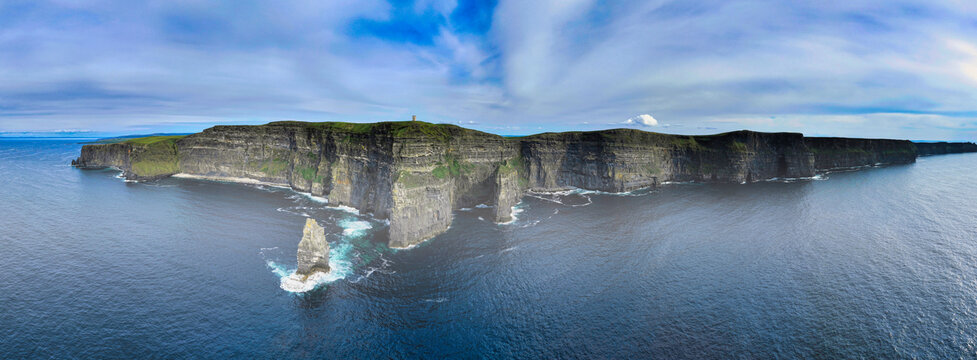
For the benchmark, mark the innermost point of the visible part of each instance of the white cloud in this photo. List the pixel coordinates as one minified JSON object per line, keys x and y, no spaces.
{"x":829,"y":68}
{"x":643,"y":119}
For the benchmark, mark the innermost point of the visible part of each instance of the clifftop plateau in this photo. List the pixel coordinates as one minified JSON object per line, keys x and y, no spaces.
{"x":415,"y":173}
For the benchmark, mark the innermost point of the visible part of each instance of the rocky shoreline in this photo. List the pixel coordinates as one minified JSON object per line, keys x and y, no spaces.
{"x":415,"y":174}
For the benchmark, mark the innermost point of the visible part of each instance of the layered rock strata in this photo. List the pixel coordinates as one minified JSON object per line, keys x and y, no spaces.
{"x":313,"y":253}
{"x":415,"y":174}
{"x":940,"y":148}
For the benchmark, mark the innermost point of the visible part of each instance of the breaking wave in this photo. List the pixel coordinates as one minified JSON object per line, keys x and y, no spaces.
{"x":354,"y":227}
{"x":351,"y":254}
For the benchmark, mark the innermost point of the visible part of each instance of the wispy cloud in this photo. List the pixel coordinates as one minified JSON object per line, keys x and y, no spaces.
{"x":859,"y":68}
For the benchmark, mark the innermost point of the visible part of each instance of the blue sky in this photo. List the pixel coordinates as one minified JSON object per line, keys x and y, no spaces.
{"x":900,"y":69}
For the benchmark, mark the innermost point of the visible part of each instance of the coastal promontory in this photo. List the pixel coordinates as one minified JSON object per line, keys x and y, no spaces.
{"x":415,"y":174}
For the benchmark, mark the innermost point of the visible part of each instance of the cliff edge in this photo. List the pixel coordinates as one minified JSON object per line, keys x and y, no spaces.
{"x":415,"y":173}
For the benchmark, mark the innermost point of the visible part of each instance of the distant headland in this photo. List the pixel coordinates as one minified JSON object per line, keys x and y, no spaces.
{"x":416,"y":173}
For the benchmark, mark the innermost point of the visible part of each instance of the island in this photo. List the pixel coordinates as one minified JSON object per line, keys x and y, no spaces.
{"x":415,"y":174}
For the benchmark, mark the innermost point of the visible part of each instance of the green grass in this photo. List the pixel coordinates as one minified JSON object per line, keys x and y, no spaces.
{"x":398,"y":129}
{"x":154,"y":155}
{"x":309,"y":174}
{"x":451,"y":167}
{"x":514,"y":164}
{"x":274,"y":167}
{"x":149,"y":140}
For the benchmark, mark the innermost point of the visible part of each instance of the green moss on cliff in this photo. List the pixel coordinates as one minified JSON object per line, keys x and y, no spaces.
{"x":515,"y":164}
{"x":686,"y":142}
{"x":410,"y":180}
{"x":154,"y":156}
{"x":737,"y":146}
{"x":309,"y":173}
{"x":451,"y":167}
{"x":274,"y":167}
{"x":653,"y":169}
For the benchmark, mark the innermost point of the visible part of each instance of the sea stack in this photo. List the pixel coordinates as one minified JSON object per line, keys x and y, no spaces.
{"x":313,"y":254}
{"x":313,"y":259}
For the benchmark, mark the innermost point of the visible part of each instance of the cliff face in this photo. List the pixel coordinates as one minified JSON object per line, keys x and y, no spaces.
{"x":140,"y":159}
{"x":415,"y":174}
{"x":939,"y":148}
{"x":104,"y":155}
{"x":834,"y":153}
{"x":623,"y":159}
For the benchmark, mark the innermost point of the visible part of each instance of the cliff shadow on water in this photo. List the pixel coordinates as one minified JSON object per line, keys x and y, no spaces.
{"x":415,"y":174}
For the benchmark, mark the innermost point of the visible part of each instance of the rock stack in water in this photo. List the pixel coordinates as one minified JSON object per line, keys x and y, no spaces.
{"x":313,"y":259}
{"x":313,"y":254}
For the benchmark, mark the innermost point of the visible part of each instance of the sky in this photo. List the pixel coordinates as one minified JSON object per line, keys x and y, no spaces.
{"x":893,"y":69}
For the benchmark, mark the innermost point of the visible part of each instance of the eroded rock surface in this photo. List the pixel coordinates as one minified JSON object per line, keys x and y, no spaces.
{"x":313,"y":253}
{"x":415,"y":174}
{"x":313,"y":260}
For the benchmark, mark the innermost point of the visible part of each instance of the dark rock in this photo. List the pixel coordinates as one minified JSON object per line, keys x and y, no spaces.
{"x":940,"y":148}
{"x":415,"y":174}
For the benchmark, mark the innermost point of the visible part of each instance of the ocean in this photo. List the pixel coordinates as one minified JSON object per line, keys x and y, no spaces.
{"x":875,"y":263}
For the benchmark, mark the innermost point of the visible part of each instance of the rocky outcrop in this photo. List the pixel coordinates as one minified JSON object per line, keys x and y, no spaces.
{"x":313,"y":260}
{"x":940,"y":148}
{"x":415,"y":174}
{"x":313,"y":253}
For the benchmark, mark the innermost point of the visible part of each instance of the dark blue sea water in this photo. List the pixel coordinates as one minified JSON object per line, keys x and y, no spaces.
{"x":878,"y":263}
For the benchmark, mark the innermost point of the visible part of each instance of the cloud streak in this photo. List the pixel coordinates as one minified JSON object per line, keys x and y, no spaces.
{"x":898,"y":69}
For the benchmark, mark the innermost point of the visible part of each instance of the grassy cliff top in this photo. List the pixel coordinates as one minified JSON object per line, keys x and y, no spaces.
{"x":149,"y":140}
{"x":398,"y":129}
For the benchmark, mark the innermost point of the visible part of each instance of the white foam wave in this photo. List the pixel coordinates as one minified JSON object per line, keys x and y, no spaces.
{"x":579,"y":191}
{"x":483,"y":206}
{"x":340,"y":267}
{"x":354,"y":227}
{"x":514,"y":214}
{"x":232,"y":179}
{"x":795,"y":179}
{"x":318,"y":199}
{"x":380,"y":269}
{"x":436,"y":300}
{"x":345,"y":208}
{"x":531,"y":223}
{"x":556,"y":201}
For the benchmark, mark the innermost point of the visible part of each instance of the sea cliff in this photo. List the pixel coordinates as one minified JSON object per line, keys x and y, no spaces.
{"x":415,"y":174}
